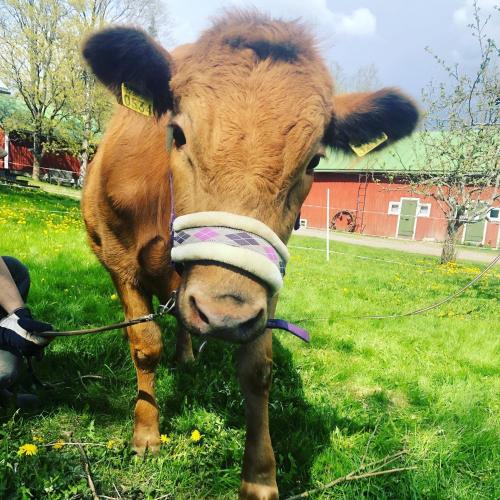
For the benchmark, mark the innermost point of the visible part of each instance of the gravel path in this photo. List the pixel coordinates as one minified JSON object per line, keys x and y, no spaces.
{"x":420,"y":247}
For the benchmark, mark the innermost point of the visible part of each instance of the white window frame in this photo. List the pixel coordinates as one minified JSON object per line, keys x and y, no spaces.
{"x":489,"y":218}
{"x":398,"y":203}
{"x":420,"y":205}
{"x":303,"y":223}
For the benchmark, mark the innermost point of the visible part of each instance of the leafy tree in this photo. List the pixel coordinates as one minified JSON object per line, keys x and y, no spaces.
{"x":40,"y":59}
{"x":89,"y":101}
{"x":32,"y":62}
{"x":460,"y":144}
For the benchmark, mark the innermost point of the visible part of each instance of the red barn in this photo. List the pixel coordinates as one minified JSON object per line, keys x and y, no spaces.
{"x":370,"y":195}
{"x":20,"y":156}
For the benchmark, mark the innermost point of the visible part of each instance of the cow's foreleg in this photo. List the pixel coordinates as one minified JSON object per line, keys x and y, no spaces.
{"x":184,"y":346}
{"x":259,"y":466}
{"x":145,"y":348}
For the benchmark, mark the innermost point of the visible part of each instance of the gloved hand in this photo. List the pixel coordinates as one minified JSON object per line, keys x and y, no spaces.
{"x":18,"y":333}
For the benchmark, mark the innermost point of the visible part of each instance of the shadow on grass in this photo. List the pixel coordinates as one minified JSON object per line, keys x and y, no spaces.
{"x":300,"y":431}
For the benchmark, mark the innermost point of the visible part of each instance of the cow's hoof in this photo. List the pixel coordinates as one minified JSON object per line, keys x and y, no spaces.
{"x":146,"y":442}
{"x":254,"y":491}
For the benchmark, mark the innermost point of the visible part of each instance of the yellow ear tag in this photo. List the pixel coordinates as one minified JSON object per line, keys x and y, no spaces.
{"x":135,"y":102}
{"x":364,"y":149}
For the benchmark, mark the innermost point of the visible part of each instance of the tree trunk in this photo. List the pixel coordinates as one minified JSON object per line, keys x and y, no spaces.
{"x":84,"y":161}
{"x":37,"y":156}
{"x":85,"y":146}
{"x":87,"y":126}
{"x":449,"y":252}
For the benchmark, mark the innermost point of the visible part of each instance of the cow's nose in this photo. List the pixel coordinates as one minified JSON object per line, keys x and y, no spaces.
{"x":228,"y":316}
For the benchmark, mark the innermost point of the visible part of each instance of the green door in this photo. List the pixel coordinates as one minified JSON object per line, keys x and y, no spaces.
{"x":407,"y":218}
{"x":474,"y":232}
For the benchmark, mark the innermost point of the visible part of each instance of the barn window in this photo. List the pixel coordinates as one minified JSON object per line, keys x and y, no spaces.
{"x":394,"y":208}
{"x":424,"y":209}
{"x":303,"y":223}
{"x":494,"y":215}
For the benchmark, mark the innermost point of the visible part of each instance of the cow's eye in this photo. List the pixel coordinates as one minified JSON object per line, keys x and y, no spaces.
{"x":178,"y":135}
{"x":313,"y":163}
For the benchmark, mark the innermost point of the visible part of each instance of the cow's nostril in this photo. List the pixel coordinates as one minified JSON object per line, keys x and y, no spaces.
{"x":250,"y":324}
{"x":197,"y":309}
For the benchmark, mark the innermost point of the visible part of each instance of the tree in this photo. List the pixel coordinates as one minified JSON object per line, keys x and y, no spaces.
{"x":364,"y":79}
{"x":32,"y":61}
{"x":89,"y":100}
{"x":40,"y":59}
{"x":460,"y":145}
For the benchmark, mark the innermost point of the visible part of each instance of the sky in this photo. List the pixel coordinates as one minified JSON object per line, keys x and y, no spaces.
{"x":390,"y":34}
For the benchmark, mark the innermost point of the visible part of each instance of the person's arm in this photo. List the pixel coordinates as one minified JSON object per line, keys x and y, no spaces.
{"x":10,"y":299}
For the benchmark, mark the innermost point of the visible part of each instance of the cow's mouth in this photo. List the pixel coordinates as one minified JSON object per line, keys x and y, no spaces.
{"x":215,"y":301}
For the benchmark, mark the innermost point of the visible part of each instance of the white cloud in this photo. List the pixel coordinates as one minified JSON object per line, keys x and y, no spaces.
{"x":191,"y":17}
{"x":460,"y":16}
{"x":361,"y":22}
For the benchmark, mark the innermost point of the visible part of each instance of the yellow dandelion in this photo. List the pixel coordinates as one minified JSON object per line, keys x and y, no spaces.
{"x":195,"y":436}
{"x":38,"y":439}
{"x":114,"y":296}
{"x":164,"y":439}
{"x":58,"y":444}
{"x":110,"y":444}
{"x":28,"y":449}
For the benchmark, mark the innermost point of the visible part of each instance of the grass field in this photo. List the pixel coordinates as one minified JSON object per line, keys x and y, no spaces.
{"x":361,"y":391}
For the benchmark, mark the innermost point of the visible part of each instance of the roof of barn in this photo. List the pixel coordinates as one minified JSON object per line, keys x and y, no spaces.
{"x":403,"y":156}
{"x":406,"y":156}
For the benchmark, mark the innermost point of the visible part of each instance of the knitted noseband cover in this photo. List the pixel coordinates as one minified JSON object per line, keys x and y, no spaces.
{"x":240,"y":241}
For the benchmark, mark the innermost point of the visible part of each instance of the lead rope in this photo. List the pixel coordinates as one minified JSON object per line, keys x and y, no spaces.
{"x":415,"y":312}
{"x":163,"y":309}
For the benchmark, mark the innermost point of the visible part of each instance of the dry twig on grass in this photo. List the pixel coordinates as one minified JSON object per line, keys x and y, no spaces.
{"x":372,"y":435}
{"x":86,"y":467}
{"x":376,"y":469}
{"x":71,"y":443}
{"x":117,"y":492}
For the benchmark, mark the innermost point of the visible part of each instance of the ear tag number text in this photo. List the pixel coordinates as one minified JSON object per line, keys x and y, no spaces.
{"x":363,"y":149}
{"x":135,"y":102}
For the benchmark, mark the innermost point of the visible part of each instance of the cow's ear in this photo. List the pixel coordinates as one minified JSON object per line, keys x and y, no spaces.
{"x":366,"y":121}
{"x":129,"y":56}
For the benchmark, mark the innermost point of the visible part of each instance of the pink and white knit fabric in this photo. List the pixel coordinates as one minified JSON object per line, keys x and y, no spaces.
{"x":243,"y":242}
{"x":231,"y":237}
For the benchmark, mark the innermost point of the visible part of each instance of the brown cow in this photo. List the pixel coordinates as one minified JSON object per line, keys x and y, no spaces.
{"x":251,"y":109}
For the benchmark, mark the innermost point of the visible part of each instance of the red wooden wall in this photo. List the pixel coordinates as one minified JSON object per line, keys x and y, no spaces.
{"x":344,"y":189}
{"x":21,"y":158}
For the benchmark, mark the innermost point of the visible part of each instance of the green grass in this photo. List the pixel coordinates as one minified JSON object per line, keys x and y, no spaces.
{"x":54,"y":188}
{"x":428,"y":384}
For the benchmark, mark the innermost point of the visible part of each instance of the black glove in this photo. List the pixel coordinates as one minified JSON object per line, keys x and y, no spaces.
{"x":18,"y":333}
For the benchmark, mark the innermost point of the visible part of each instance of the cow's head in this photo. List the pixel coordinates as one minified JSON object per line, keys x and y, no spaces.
{"x":251,"y":111}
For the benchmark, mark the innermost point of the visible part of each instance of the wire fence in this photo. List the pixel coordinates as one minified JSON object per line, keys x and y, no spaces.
{"x":334,"y":210}
{"x":24,"y":166}
{"x":362,"y":257}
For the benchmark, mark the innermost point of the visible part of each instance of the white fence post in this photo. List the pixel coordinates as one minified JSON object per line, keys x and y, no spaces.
{"x":6,"y":159}
{"x":328,"y":224}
